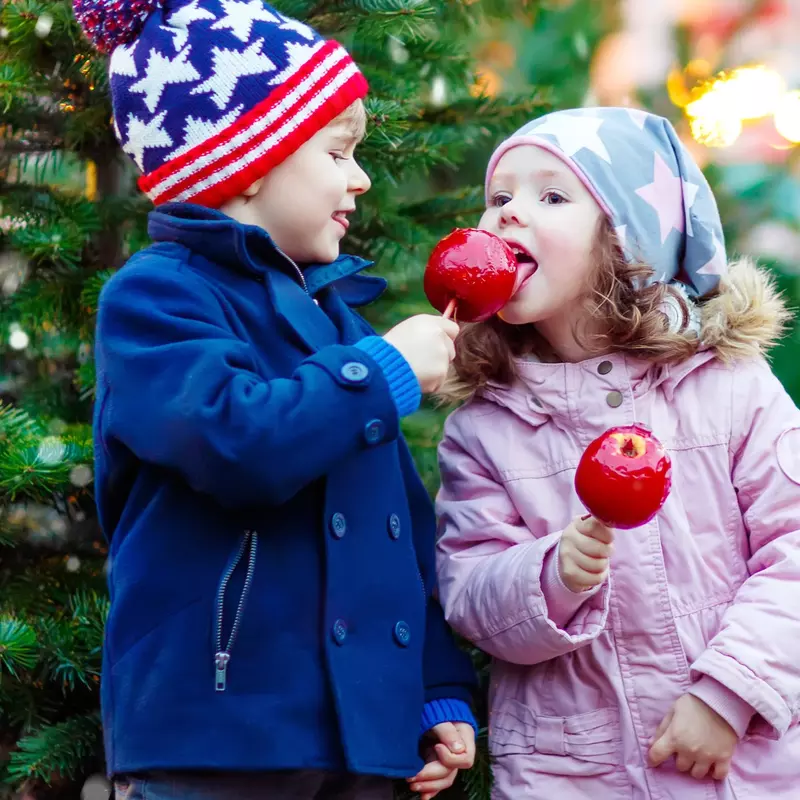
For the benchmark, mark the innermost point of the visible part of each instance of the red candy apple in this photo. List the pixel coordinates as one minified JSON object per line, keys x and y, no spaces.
{"x":474,"y":269}
{"x":624,"y":477}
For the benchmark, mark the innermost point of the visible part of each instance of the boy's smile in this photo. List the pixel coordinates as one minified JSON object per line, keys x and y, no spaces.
{"x":304,"y":202}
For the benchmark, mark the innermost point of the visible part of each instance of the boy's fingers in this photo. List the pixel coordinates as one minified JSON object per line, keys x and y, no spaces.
{"x":431,"y":788}
{"x":432,"y":771}
{"x":448,"y":734}
{"x":453,"y":760}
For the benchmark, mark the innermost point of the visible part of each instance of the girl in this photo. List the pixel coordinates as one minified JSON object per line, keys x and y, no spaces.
{"x":670,"y":670}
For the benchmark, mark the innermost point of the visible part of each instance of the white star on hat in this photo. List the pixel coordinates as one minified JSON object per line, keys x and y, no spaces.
{"x":574,"y":132}
{"x":122,"y":62}
{"x":178,"y":23}
{"x":297,"y":55}
{"x":161,"y":71}
{"x":142,"y":136}
{"x":188,"y":14}
{"x":231,"y":65}
{"x":200,"y":130}
{"x":240,"y":16}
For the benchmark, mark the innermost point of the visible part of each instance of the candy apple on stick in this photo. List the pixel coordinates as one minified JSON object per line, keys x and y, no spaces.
{"x":471,"y":274}
{"x":624,"y":477}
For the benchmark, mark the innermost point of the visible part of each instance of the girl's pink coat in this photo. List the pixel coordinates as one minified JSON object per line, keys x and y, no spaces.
{"x":705,"y":598}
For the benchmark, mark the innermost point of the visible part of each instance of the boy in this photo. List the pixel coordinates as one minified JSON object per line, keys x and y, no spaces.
{"x":272,"y":630}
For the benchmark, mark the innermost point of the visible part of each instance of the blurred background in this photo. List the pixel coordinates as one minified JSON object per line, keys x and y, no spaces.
{"x":449,"y":79}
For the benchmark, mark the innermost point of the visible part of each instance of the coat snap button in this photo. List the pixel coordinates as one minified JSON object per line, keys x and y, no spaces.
{"x":604,"y":367}
{"x":354,"y":372}
{"x":338,"y":525}
{"x":614,"y":399}
{"x":339,"y":631}
{"x":373,"y":431}
{"x":394,"y":526}
{"x":402,"y":633}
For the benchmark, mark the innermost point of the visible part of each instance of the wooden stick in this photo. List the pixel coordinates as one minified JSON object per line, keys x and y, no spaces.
{"x":451,"y":309}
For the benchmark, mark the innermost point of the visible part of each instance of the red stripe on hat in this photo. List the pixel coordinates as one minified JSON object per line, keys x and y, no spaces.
{"x":291,"y":113}
{"x":235,"y":184}
{"x":149,"y":183}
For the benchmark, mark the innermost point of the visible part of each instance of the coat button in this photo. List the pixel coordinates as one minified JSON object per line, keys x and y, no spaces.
{"x":604,"y":367}
{"x":339,"y":631}
{"x":394,"y":526}
{"x":402,"y":633}
{"x":614,"y":399}
{"x":338,"y":525}
{"x":373,"y":431}
{"x":354,"y":372}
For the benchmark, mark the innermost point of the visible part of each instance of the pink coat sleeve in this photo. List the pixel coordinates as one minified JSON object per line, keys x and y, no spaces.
{"x":491,"y":567}
{"x":756,"y":654}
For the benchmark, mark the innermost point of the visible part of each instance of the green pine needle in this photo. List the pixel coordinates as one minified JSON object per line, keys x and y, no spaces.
{"x":57,"y":750}
{"x":18,"y":650}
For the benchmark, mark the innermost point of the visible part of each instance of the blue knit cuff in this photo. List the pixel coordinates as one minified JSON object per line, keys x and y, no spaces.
{"x":402,"y":381}
{"x":438,"y":711}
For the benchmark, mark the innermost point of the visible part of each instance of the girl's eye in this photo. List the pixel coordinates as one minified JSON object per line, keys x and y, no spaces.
{"x":501,"y":199}
{"x":554,"y":198}
{"x":337,"y":157}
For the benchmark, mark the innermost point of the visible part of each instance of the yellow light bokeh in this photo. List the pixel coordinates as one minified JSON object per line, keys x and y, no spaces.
{"x":718,"y":109}
{"x":787,"y":117}
{"x":487,"y":83}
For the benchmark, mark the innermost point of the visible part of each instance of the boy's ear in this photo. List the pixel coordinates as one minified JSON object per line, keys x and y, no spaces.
{"x":254,"y":188}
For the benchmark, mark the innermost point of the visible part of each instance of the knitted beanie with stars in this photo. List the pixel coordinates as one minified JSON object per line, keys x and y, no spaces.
{"x":210,"y":95}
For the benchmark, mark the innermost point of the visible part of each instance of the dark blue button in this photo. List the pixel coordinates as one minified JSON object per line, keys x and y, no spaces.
{"x":339,"y":631}
{"x":354,"y":372}
{"x":338,"y":525}
{"x":394,"y":526}
{"x":373,"y":431}
{"x":402,"y":633}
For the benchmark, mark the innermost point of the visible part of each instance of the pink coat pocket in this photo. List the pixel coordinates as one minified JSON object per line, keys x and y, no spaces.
{"x":581,"y":745}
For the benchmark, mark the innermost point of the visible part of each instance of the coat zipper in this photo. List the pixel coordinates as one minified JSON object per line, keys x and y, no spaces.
{"x":298,"y":271}
{"x":223,"y":656}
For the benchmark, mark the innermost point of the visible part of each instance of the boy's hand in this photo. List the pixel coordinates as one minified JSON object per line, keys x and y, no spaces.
{"x":455,"y":750}
{"x":583,"y":554}
{"x":426,"y":342}
{"x":701,"y":740}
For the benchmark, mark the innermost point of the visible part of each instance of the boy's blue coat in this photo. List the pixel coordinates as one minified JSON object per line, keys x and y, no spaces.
{"x":229,"y":402}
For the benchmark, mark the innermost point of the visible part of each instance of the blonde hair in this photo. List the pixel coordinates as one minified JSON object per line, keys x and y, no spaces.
{"x":743,"y":317}
{"x":354,"y":118}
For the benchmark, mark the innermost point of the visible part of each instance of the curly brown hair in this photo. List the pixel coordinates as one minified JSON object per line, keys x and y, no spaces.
{"x":634,"y":323}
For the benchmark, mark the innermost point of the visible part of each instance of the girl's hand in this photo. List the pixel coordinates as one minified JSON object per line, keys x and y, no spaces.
{"x":700,"y":739}
{"x":583,"y":554}
{"x":454,"y":750}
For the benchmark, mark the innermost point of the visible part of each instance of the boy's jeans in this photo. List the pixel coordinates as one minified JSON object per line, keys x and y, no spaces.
{"x":295,"y":785}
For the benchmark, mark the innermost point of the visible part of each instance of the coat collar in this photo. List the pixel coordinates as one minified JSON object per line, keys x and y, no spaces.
{"x":248,"y":248}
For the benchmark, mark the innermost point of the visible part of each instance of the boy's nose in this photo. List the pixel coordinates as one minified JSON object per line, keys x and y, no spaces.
{"x":359,"y":180}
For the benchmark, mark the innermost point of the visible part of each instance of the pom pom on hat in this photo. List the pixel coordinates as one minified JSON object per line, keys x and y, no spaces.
{"x":110,"y":23}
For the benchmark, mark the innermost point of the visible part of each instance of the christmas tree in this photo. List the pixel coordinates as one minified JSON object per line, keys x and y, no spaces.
{"x":70,"y":215}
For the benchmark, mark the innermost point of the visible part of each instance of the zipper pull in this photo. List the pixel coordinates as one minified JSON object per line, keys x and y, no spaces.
{"x":221,"y":663}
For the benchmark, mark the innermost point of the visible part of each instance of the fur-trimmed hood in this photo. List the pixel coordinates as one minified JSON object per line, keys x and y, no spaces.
{"x":744,"y":319}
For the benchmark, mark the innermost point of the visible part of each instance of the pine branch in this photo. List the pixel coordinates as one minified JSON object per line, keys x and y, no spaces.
{"x":18,"y":650}
{"x":62,"y":749}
